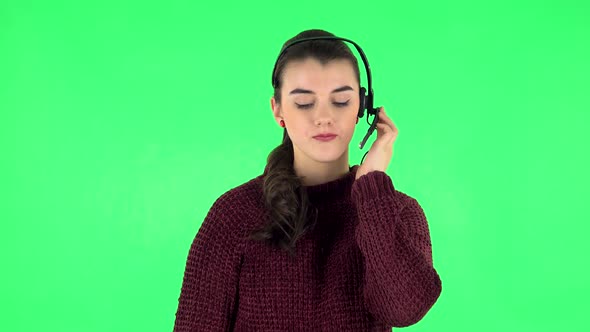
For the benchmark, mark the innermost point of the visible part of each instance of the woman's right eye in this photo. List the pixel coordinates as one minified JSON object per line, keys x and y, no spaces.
{"x":304,"y":106}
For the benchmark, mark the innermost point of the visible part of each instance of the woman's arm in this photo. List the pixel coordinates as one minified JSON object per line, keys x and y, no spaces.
{"x":207,"y":299}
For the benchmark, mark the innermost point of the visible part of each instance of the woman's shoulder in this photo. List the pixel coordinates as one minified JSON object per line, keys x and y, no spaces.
{"x":242,"y":201}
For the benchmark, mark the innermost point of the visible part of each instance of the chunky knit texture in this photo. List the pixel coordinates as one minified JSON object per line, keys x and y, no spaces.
{"x":366,"y":266}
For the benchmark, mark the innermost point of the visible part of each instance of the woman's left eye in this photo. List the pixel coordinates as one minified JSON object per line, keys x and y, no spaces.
{"x":304,"y":106}
{"x":344,"y":104}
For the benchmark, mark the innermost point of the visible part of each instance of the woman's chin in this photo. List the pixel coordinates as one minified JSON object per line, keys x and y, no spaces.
{"x":327,"y":155}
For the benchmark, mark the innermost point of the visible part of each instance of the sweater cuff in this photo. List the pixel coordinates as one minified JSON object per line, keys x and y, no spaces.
{"x":372,"y":185}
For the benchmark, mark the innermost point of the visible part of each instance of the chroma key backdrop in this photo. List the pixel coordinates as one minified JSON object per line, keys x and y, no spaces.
{"x":121,"y":122}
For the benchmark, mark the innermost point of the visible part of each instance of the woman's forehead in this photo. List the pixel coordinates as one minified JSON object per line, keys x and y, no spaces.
{"x":310,"y":74}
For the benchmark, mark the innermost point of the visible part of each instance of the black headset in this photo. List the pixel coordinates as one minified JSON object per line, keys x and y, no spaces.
{"x":366,"y":100}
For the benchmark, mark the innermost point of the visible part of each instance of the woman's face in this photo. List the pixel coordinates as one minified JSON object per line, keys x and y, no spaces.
{"x":316,"y":99}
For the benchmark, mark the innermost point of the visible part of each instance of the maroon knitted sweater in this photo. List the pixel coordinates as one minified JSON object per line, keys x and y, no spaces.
{"x":366,"y":266}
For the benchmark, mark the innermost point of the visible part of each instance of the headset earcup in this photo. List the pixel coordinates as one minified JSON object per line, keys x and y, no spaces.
{"x":363,"y":102}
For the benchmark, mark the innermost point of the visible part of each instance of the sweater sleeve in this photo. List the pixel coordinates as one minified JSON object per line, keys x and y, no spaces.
{"x":400,"y":283}
{"x":208,"y":299}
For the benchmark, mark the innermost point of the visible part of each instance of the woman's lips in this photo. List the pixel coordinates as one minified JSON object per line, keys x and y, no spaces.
{"x":325,"y":138}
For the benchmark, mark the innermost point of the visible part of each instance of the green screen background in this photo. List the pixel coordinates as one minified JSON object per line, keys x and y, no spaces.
{"x":122,"y":122}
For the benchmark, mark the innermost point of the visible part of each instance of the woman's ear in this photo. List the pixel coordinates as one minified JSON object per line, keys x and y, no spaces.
{"x":275,"y":107}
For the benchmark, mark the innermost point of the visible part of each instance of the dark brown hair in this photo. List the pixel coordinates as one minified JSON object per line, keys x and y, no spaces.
{"x":291,"y":214}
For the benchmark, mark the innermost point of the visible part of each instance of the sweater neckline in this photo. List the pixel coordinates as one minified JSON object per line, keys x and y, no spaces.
{"x":335,"y":190}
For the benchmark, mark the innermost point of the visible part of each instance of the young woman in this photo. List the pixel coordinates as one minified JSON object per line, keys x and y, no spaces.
{"x":313,"y":244}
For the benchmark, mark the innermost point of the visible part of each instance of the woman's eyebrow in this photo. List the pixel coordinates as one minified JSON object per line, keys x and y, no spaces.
{"x":340,"y":89}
